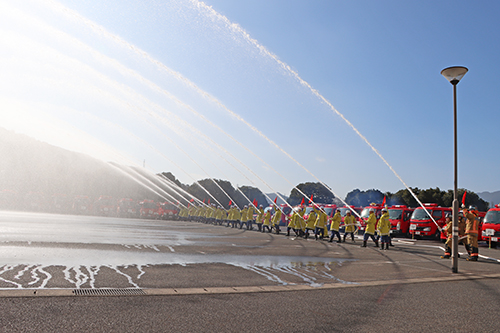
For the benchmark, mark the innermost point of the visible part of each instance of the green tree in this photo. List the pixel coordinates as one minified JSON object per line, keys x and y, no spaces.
{"x":254,"y":193}
{"x":364,"y":198}
{"x":319,"y":192}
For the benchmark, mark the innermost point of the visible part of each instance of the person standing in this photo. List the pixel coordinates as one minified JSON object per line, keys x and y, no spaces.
{"x":350,"y":225}
{"x":236,"y":217}
{"x":335,"y":226}
{"x":276,"y":219}
{"x":250,"y":213}
{"x":292,"y":222}
{"x":260,"y":216}
{"x":471,"y":230}
{"x":448,"y":228}
{"x":321,"y":220}
{"x":311,"y":219}
{"x":462,"y":238}
{"x":370,"y":229}
{"x":384,"y":228}
{"x":243,"y":219}
{"x":267,"y":221}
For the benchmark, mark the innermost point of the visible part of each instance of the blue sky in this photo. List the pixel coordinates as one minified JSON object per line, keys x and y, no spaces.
{"x":170,"y":82}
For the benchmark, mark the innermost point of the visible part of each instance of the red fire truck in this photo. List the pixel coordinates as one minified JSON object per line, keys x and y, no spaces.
{"x":127,"y":207}
{"x":399,"y":216}
{"x":149,"y":209}
{"x":421,"y":223}
{"x":104,"y":206}
{"x":491,"y":226}
{"x":168,"y":211}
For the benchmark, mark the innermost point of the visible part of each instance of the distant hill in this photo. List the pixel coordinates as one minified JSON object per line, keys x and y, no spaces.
{"x":493,"y":198}
{"x":34,"y":173}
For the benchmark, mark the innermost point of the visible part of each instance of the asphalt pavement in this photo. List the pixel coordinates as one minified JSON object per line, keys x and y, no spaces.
{"x":232,"y":280}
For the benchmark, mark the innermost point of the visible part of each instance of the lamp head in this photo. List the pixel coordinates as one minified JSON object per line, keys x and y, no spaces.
{"x":454,"y":74}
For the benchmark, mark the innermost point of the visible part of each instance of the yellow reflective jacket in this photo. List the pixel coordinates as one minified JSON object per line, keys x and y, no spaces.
{"x":337,"y":218}
{"x":370,"y":224}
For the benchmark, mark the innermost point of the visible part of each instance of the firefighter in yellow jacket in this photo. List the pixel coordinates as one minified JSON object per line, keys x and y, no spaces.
{"x":300,"y":224}
{"x":260,"y":216}
{"x":276,"y":219}
{"x":267,"y":221}
{"x":335,"y":226}
{"x":370,"y":229}
{"x":384,"y":229}
{"x":350,"y":225}
{"x":320,"y":223}
{"x":243,"y":217}
{"x":250,"y":220}
{"x":311,"y":219}
{"x":292,"y":222}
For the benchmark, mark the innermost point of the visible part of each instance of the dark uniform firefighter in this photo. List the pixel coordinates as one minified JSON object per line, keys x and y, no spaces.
{"x":471,"y":230}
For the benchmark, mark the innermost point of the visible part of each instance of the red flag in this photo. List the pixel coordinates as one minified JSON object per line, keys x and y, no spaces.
{"x":310,"y":200}
{"x":192,"y":200}
{"x":303,"y":200}
{"x":383,"y":202}
{"x":230,"y":203}
{"x":275,"y":199}
{"x":255,"y":202}
{"x":463,"y":198}
{"x":209,"y":201}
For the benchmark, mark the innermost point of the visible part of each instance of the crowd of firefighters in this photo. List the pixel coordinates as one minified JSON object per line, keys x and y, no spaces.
{"x":467,"y":233}
{"x":317,"y":222}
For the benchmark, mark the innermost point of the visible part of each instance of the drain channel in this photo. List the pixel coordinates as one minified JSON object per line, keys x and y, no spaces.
{"x":108,"y":292}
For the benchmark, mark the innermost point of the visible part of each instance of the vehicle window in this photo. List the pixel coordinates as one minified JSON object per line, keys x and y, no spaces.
{"x":437,"y":214}
{"x":419,"y":214}
{"x":493,"y":216}
{"x":395,"y":214}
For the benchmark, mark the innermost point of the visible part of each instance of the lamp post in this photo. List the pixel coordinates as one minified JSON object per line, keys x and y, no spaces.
{"x":454,"y":75}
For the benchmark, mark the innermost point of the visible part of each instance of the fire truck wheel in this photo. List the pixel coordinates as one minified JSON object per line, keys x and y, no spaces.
{"x":494,"y":245}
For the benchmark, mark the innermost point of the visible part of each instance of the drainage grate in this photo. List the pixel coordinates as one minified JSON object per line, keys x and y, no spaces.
{"x":108,"y":292}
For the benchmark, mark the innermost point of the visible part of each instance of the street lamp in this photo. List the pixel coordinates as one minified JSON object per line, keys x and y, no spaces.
{"x":454,"y":75}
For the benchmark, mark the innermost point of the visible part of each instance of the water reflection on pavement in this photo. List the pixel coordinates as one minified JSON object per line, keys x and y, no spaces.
{"x":32,"y":245}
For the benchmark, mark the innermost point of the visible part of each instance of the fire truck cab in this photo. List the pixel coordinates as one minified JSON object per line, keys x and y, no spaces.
{"x":421,"y":223}
{"x":491,"y":226}
{"x":149,"y":209}
{"x":127,"y":207}
{"x":399,"y":216}
{"x":168,"y":211}
{"x":104,"y":206}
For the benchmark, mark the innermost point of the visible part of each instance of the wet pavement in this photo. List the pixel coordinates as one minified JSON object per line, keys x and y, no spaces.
{"x":47,"y":252}
{"x":81,"y":274}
